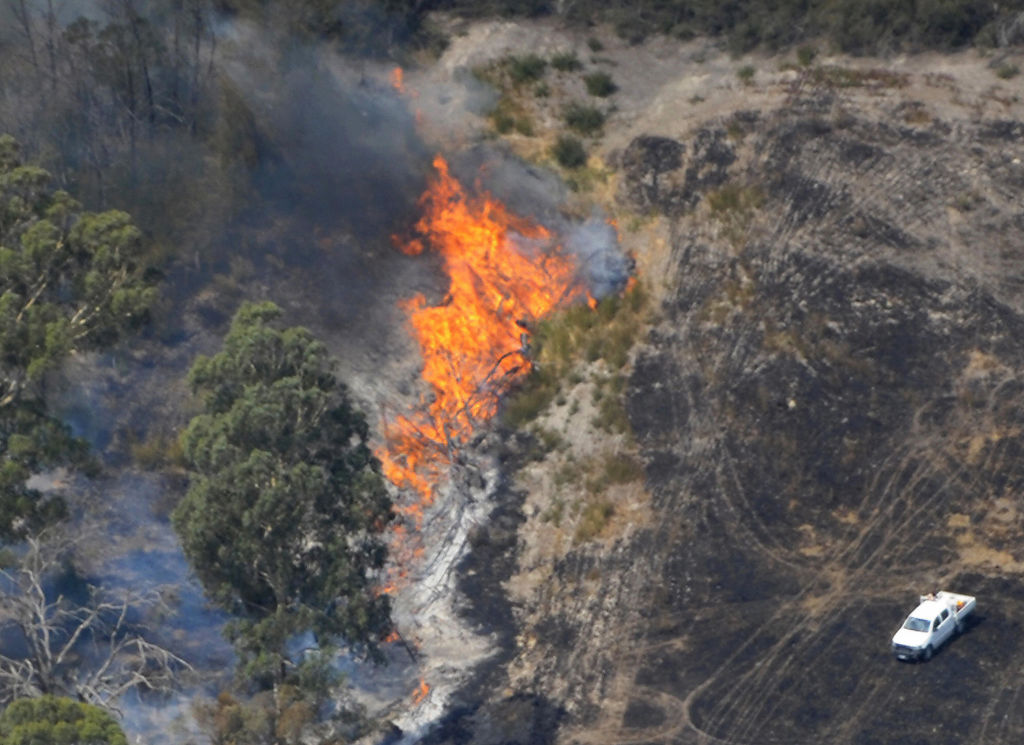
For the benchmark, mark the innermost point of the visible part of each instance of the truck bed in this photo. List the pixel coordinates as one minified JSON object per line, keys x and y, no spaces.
{"x":962,"y":605}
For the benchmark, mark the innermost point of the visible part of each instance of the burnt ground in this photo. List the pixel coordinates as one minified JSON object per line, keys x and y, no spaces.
{"x":829,"y":413}
{"x":831,"y":420}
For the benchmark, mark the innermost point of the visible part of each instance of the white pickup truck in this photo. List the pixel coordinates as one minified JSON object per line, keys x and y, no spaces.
{"x":931,"y":624}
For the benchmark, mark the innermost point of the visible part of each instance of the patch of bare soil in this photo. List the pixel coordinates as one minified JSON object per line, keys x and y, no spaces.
{"x":828,"y":410}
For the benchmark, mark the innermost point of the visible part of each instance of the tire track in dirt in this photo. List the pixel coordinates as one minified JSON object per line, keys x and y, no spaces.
{"x":916,"y":470}
{"x":744,"y":707}
{"x":898,"y":526}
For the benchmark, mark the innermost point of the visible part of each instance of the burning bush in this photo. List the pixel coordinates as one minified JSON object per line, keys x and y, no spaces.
{"x":505,"y":275}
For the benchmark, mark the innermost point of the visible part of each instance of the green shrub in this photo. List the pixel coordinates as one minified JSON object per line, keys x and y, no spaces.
{"x":526,"y":69}
{"x":746,"y":74}
{"x":805,"y":55}
{"x":600,"y":84}
{"x":58,"y":721}
{"x":555,"y":512}
{"x":587,"y":120}
{"x":1008,"y":71}
{"x":503,"y":121}
{"x":159,"y":450}
{"x":510,"y":115}
{"x":595,"y":44}
{"x":525,"y":405}
{"x":542,"y":90}
{"x":566,"y":62}
{"x":569,"y":152}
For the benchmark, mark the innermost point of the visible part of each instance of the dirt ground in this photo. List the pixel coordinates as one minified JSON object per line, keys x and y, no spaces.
{"x":827,"y":407}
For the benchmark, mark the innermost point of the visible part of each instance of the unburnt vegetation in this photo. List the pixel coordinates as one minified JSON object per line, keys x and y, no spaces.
{"x":576,"y":338}
{"x":858,"y":26}
{"x":581,"y":359}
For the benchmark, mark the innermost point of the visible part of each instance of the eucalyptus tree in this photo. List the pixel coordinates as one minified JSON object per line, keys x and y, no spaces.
{"x":70,"y":281}
{"x":283,"y":515}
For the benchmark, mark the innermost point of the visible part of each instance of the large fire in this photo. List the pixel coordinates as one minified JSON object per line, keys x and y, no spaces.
{"x":505,"y":274}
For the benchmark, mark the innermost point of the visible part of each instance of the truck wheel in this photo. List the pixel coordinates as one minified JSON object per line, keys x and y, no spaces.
{"x":928,"y":652}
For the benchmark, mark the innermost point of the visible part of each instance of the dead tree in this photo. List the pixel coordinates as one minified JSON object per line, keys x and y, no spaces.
{"x":94,"y":651}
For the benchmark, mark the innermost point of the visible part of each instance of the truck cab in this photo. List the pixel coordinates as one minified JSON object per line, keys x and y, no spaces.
{"x":931,"y":624}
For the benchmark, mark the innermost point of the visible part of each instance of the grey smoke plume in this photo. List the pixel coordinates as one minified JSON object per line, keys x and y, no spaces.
{"x":602,"y":263}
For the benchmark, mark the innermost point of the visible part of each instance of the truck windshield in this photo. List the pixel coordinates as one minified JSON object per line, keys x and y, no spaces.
{"x":916,"y":624}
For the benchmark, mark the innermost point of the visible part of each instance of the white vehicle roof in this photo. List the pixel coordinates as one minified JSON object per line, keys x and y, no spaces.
{"x":929,"y":609}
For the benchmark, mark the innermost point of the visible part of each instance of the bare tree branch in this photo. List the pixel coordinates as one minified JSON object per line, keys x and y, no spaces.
{"x":94,"y":652}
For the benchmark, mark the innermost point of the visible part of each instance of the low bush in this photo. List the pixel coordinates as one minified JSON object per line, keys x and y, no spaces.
{"x":526,"y":69}
{"x":805,"y":55}
{"x":566,"y":62}
{"x":600,"y":84}
{"x":569,"y":152}
{"x":509,"y":115}
{"x":586,"y":120}
{"x":1007,"y":71}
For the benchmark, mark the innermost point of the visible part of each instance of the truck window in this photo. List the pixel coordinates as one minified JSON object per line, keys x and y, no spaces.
{"x":945,"y":615}
{"x":935,"y":624}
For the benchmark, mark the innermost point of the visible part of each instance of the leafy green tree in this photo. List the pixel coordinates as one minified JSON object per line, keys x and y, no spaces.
{"x":282,"y":518}
{"x":51,"y":720}
{"x":70,"y":281}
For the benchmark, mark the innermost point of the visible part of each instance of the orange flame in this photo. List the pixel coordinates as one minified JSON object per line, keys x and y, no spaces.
{"x":420,"y":693}
{"x":398,"y":80}
{"x":504,"y":274}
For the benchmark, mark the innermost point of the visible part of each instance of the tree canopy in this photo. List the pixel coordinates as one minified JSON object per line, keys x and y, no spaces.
{"x":70,"y":281}
{"x":282,"y":517}
{"x":51,"y":720}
